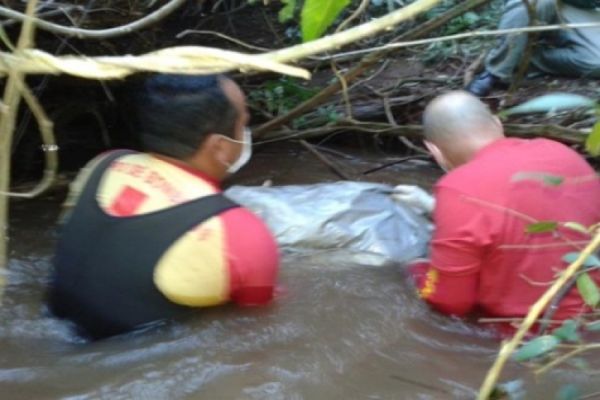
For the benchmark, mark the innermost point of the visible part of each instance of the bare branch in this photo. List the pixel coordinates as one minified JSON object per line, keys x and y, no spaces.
{"x":141,"y":23}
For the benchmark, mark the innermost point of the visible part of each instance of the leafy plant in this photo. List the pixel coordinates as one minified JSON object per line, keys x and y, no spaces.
{"x":318,"y":15}
{"x":279,"y":96}
{"x":545,"y":348}
{"x":287,"y":12}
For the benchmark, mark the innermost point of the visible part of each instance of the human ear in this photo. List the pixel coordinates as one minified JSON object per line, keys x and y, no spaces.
{"x":215,"y":145}
{"x":438,"y":155}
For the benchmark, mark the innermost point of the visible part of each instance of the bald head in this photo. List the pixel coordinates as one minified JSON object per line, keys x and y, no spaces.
{"x":457,"y":115}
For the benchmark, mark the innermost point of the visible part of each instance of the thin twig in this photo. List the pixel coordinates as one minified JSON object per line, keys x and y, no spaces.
{"x":49,"y":146}
{"x":517,"y":320}
{"x":325,"y":160}
{"x":566,"y":356}
{"x":345,"y":94}
{"x":395,"y":162}
{"x":496,"y":32}
{"x":361,"y":9}
{"x":222,"y":36}
{"x":141,"y":23}
{"x":390,"y":116}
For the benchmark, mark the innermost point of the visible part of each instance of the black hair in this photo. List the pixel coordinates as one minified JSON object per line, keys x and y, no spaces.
{"x":175,"y":113}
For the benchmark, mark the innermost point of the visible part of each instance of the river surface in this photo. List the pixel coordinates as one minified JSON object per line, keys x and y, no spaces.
{"x":337,"y":331}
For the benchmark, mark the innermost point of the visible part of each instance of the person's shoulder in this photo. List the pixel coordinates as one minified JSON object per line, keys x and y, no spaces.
{"x":246,"y":225}
{"x":461,"y":177}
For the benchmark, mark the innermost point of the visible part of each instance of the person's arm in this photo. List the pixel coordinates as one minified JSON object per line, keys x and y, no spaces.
{"x":449,"y":283}
{"x":415,"y":198}
{"x":254,"y":258}
{"x":447,"y":293}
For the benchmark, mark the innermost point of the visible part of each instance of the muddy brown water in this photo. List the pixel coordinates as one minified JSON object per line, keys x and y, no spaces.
{"x":339,"y":331}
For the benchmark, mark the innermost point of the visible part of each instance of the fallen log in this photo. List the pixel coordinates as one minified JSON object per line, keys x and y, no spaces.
{"x":555,"y":132}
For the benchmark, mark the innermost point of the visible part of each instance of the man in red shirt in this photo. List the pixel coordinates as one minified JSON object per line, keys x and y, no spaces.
{"x":482,"y":256}
{"x":150,"y":237}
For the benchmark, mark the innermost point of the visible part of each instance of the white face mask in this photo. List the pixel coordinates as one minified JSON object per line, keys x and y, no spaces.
{"x":245,"y":154}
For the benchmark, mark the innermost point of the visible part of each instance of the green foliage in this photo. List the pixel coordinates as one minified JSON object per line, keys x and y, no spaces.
{"x":552,"y":180}
{"x":287,"y":12}
{"x":588,"y":289}
{"x":537,"y":347}
{"x":279,"y":96}
{"x":546,"y":179}
{"x":589,"y":262}
{"x":592,"y":144}
{"x":568,"y":331}
{"x":593,"y":326}
{"x":568,"y":392}
{"x":318,"y":15}
{"x":541,"y":227}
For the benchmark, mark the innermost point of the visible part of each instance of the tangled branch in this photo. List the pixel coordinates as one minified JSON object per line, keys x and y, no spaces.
{"x":141,"y":23}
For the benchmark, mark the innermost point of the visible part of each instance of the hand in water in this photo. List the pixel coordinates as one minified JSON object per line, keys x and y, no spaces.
{"x":414,"y":197}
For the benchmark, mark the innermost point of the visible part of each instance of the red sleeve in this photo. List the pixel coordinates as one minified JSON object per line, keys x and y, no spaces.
{"x":450,"y":282}
{"x":253,"y":258}
{"x":454,"y":295}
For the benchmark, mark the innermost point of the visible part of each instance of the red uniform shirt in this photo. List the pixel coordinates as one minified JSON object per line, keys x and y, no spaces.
{"x":481,"y":254}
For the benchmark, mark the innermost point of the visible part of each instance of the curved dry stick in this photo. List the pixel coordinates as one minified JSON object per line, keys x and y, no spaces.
{"x":222,"y":36}
{"x":457,"y":36}
{"x":361,"y":9}
{"x":80,"y":33}
{"x":9,"y":112}
{"x":49,"y":146}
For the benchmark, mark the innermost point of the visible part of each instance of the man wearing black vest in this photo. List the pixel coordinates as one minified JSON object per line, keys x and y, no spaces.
{"x":150,"y":237}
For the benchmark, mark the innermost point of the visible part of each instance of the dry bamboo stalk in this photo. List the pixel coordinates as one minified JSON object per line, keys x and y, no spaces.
{"x":10,"y":108}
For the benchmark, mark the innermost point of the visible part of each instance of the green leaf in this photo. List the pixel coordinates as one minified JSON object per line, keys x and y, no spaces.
{"x":568,"y":392}
{"x":550,"y":103}
{"x":287,"y":12}
{"x":576,"y":226}
{"x":593,"y":326}
{"x":553,"y":180}
{"x":318,"y":15}
{"x":592,"y":143}
{"x":567,"y":331}
{"x":590,"y":261}
{"x":588,"y":290}
{"x":542,"y":227}
{"x":579,"y":363}
{"x":536,"y":347}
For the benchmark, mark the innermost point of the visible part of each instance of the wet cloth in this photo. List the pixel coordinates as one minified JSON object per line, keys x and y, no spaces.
{"x":481,"y":254}
{"x":227,"y":255}
{"x":568,"y":52}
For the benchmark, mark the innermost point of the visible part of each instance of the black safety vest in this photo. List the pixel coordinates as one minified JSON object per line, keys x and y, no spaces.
{"x":104,"y":265}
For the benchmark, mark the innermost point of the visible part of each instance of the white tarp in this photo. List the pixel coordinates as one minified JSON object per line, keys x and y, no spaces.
{"x":356,"y":220}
